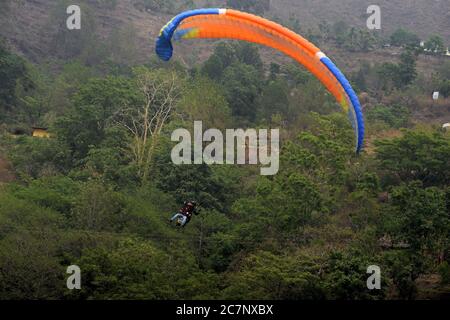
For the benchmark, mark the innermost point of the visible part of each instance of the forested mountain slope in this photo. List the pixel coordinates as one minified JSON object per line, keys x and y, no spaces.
{"x":33,"y":26}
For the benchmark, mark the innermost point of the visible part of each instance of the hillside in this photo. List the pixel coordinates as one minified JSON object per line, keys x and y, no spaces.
{"x":423,"y":17}
{"x":31,"y":26}
{"x":6,"y":174}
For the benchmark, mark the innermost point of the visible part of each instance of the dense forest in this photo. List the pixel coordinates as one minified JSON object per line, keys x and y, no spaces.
{"x":97,"y":191}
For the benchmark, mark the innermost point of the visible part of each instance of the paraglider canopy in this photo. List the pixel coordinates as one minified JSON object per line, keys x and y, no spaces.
{"x":233,"y":24}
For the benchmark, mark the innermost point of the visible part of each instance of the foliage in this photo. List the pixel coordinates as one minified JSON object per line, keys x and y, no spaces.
{"x":13,"y":71}
{"x":98,"y":208}
{"x":242,"y":85}
{"x":27,"y":233}
{"x":350,"y":38}
{"x":444,"y":271}
{"x":225,"y":54}
{"x":416,"y":156}
{"x":94,"y":107}
{"x":309,"y":232}
{"x":345,"y":276}
{"x":274,"y":99}
{"x":204,"y":100}
{"x":435,"y":44}
{"x":39,"y":157}
{"x":394,"y":116}
{"x":264,"y":275}
{"x":54,"y":192}
{"x":444,"y":88}
{"x":196,"y":182}
{"x":399,"y":75}
{"x":421,"y":216}
{"x":402,"y":37}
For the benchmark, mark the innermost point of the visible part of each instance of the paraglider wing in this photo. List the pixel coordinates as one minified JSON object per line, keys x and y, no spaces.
{"x":233,"y":24}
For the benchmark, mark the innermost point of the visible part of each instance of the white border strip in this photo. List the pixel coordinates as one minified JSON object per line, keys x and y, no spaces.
{"x":320,"y":55}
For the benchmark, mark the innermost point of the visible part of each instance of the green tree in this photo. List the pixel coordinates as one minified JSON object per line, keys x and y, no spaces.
{"x":407,"y":72}
{"x":340,"y":30}
{"x":264,"y":275}
{"x":402,"y":37}
{"x":435,"y":44}
{"x":54,"y":192}
{"x":196,"y":182}
{"x":13,"y":70}
{"x":404,"y":272}
{"x":444,"y":88}
{"x":98,"y":208}
{"x":39,"y":157}
{"x":398,"y":75}
{"x":345,"y":276}
{"x":416,"y":156}
{"x":395,"y":116}
{"x":29,"y":266}
{"x":95,"y":105}
{"x":204,"y":100}
{"x":242,"y":86}
{"x":422,"y":219}
{"x":224,"y":55}
{"x":387,"y":75}
{"x":248,"y":53}
{"x":111,"y":160}
{"x":418,"y":219}
{"x":136,"y":269}
{"x":274,"y":99}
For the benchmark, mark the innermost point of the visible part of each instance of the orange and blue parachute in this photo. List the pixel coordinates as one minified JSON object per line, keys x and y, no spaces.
{"x":233,"y":24}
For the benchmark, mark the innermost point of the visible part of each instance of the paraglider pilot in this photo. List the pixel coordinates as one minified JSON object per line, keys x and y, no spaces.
{"x":184,"y":215}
